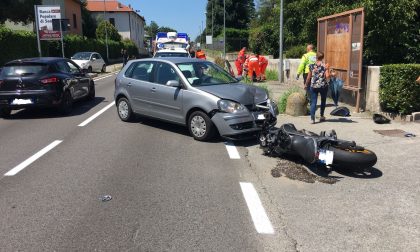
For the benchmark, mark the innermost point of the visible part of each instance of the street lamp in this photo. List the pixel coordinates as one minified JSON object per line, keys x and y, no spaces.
{"x":106,"y":33}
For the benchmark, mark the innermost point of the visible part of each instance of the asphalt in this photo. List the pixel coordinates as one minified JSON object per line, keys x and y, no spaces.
{"x":169,"y":192}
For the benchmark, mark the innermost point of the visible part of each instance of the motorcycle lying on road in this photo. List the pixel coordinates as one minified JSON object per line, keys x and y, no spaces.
{"x":324,"y":148}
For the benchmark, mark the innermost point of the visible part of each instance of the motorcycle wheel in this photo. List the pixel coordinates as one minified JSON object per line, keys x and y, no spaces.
{"x":355,"y":159}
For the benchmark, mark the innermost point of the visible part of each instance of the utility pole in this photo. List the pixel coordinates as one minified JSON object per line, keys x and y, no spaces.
{"x":224,"y":29}
{"x":106,"y":33}
{"x":37,"y":30}
{"x":281,"y":73}
{"x":62,"y":37}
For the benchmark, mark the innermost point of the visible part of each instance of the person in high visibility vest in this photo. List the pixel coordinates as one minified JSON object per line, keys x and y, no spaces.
{"x":263,"y":62}
{"x":239,"y":62}
{"x":200,"y":54}
{"x":254,"y":66}
{"x":307,"y":59}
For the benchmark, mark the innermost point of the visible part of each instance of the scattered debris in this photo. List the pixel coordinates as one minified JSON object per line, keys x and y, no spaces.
{"x":380,"y":119}
{"x":410,"y":135}
{"x":394,"y":133}
{"x":297,"y":171}
{"x":106,"y":198}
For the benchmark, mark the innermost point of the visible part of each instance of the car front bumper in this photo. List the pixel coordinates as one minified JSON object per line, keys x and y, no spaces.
{"x":234,"y":125}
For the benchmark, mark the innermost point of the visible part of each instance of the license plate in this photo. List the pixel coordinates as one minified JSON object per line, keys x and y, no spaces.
{"x":21,"y":101}
{"x":260,"y":117}
{"x":326,"y":157}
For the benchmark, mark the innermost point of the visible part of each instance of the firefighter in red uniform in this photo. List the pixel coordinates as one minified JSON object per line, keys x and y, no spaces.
{"x":239,"y":62}
{"x":254,"y":66}
{"x":200,"y":54}
{"x":263,"y":62}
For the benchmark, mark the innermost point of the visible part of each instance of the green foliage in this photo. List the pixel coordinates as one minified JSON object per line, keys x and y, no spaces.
{"x":263,"y":39}
{"x":236,"y":39}
{"x":399,"y":92}
{"x":295,"y":52}
{"x":112,"y":31}
{"x":238,"y":15}
{"x":21,"y":44}
{"x":282,"y":103}
{"x":272,"y":75}
{"x":219,"y":61}
{"x":166,"y":29}
{"x":152,"y":29}
{"x":88,"y":22}
{"x":18,"y":11}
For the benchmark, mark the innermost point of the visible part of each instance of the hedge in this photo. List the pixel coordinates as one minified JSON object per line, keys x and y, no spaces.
{"x":23,"y":44}
{"x":398,"y":90}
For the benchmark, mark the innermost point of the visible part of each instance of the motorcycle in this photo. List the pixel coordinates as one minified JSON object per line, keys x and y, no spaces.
{"x":324,"y":148}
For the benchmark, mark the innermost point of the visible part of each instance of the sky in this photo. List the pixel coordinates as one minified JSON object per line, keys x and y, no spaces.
{"x":181,"y":15}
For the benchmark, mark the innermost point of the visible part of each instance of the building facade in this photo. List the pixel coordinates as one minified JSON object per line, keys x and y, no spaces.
{"x":127,"y":21}
{"x":71,"y":10}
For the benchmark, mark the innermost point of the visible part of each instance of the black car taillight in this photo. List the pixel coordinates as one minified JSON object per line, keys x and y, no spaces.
{"x":51,"y":80}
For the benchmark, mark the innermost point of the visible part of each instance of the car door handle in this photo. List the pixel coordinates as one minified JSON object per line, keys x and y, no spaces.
{"x":129,"y":84}
{"x":153,"y":89}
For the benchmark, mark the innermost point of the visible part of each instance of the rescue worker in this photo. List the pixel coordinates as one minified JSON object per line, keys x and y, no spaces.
{"x":263,"y":63}
{"x":240,"y":60}
{"x":308,"y":58}
{"x":245,"y":65}
{"x":253,"y":66}
{"x":199,"y":54}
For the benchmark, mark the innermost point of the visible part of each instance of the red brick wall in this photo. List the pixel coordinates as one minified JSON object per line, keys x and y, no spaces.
{"x":73,"y":7}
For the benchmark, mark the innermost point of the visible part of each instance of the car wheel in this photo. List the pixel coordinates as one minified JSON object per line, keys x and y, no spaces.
{"x":66,"y":103}
{"x":91,"y":95}
{"x":5,"y":112}
{"x":90,"y":69}
{"x":124,"y":110}
{"x":103,"y":70}
{"x":200,"y":126}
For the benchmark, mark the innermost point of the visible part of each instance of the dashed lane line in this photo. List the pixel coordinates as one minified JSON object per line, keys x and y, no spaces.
{"x":87,"y":121}
{"x":232,"y":151}
{"x":259,"y":216}
{"x":33,"y":158}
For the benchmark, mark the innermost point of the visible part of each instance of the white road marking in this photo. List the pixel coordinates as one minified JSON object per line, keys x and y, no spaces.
{"x":96,"y":115}
{"x":232,"y":151}
{"x":259,"y":216}
{"x":103,"y":77}
{"x":32,"y":159}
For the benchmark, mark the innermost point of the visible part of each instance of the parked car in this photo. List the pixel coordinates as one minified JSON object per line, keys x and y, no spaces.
{"x":91,"y":61}
{"x":43,"y":82}
{"x":191,"y":92}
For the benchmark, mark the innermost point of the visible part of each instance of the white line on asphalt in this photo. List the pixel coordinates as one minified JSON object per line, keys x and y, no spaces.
{"x":259,"y":216}
{"x":103,"y":77}
{"x":232,"y":151}
{"x":96,"y":115}
{"x":32,"y":159}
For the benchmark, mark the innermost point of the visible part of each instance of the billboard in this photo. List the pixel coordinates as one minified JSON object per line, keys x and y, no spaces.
{"x":44,"y":16}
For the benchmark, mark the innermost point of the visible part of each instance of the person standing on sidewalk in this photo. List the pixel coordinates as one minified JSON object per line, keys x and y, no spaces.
{"x":307,"y":59}
{"x":317,"y":83}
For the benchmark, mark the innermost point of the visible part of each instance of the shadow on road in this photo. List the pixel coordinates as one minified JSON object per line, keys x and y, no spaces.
{"x":79,"y":108}
{"x":370,"y":173}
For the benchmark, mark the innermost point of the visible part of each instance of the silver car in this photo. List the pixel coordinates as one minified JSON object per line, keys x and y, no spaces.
{"x":191,"y":92}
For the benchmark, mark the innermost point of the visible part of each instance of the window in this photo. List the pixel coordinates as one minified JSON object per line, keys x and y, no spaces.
{"x":112,"y":21}
{"x":165,"y":73}
{"x":73,"y":68}
{"x":141,"y":71}
{"x":74,"y":21}
{"x":63,"y":67}
{"x":98,"y":56}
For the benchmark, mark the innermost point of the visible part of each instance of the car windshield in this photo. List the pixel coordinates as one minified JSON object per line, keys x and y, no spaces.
{"x":82,"y":56}
{"x":205,"y":73}
{"x":170,"y":54}
{"x":23,"y":70}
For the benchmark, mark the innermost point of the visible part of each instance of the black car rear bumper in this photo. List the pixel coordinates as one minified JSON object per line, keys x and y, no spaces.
{"x":35,"y":98}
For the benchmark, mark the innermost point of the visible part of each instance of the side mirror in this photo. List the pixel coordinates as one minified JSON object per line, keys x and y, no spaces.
{"x":173,"y":83}
{"x":93,"y":59}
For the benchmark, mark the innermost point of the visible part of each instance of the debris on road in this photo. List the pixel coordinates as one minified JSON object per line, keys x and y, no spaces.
{"x":106,"y":198}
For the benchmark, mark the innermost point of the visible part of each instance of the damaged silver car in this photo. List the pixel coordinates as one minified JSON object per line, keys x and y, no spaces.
{"x":192,"y":92}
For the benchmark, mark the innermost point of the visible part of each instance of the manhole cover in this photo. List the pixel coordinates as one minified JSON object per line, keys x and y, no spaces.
{"x":392,"y":132}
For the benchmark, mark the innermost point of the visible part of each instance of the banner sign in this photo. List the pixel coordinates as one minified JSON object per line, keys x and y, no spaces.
{"x":45,"y":16}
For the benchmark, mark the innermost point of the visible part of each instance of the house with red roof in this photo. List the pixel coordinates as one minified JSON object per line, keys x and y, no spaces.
{"x":127,"y":21}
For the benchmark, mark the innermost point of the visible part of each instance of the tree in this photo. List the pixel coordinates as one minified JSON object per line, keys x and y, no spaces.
{"x":18,"y":10}
{"x":88,"y":22}
{"x":238,"y":15}
{"x":152,"y":29}
{"x":112,"y":31}
{"x":165,"y":29}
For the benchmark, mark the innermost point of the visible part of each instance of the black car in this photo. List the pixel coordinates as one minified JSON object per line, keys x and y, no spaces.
{"x":43,"y":82}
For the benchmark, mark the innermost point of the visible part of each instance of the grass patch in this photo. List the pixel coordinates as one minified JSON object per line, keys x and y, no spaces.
{"x":272,"y":75}
{"x":283,"y":98}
